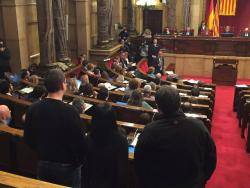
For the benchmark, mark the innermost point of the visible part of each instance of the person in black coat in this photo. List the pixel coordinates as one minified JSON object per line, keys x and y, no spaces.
{"x":202,"y":28}
{"x":107,"y":158}
{"x":174,"y":151}
{"x":153,"y":54}
{"x":4,"y":60}
{"x":195,"y":91}
{"x":123,"y":35}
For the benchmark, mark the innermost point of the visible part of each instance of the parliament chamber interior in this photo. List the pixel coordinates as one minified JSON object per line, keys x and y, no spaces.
{"x":125,"y":93}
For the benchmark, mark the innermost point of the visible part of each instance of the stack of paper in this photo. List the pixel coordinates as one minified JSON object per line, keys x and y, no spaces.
{"x":26,"y":90}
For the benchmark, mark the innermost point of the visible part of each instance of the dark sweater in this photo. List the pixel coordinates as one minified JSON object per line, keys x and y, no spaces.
{"x":52,"y":129}
{"x":107,"y":161}
{"x":175,"y":152}
{"x":4,"y":62}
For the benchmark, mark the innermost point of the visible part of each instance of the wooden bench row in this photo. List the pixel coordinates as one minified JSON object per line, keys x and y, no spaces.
{"x":242,"y":108}
{"x":8,"y":180}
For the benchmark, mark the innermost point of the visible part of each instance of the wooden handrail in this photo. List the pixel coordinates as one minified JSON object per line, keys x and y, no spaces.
{"x":8,"y":180}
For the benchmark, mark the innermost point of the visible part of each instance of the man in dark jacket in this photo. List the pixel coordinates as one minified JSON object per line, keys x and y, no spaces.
{"x":153,"y":54}
{"x":53,"y":130}
{"x":4,"y":59}
{"x":174,"y":151}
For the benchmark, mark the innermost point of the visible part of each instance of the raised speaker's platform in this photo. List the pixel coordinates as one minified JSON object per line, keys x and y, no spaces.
{"x":202,"y":65}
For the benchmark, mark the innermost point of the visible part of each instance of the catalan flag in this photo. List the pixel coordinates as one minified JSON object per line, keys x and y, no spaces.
{"x":213,"y":19}
{"x":228,"y":7}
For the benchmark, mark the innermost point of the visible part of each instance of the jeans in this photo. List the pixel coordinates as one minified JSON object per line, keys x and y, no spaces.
{"x":62,"y":174}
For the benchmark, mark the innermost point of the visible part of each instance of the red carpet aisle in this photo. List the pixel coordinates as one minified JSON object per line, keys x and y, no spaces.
{"x":233,"y":167}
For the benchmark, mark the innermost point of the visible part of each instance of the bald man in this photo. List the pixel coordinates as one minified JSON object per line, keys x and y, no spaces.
{"x":5,"y":114}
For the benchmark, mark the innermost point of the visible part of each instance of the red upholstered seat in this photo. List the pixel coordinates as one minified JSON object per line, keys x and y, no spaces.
{"x":144,"y":66}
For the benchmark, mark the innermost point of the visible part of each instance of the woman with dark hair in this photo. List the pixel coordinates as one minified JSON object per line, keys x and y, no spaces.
{"x":107,"y":158}
{"x":87,"y":90}
{"x":37,"y":94}
{"x":136,"y":99}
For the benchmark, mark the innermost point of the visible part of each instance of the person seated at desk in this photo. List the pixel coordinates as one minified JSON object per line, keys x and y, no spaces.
{"x":5,"y":115}
{"x":79,"y":104}
{"x":202,"y":28}
{"x":166,"y":31}
{"x":195,"y":91}
{"x":133,"y":84}
{"x":228,"y":32}
{"x":103,"y":93}
{"x":38,"y":93}
{"x":87,"y":90}
{"x":245,"y":33}
{"x":188,"y":32}
{"x":147,"y":92}
{"x":147,"y":34}
{"x":72,"y":85}
{"x":136,"y":99}
{"x":5,"y":87}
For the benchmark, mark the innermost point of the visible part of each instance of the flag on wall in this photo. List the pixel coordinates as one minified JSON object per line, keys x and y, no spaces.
{"x":213,"y":19}
{"x":228,"y":7}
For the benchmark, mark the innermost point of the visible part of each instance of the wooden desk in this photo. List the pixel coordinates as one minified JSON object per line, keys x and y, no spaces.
{"x":8,"y":180}
{"x":217,"y":46}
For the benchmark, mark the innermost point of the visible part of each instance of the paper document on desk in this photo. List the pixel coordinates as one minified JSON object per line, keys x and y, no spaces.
{"x":192,"y":81}
{"x":242,"y":85}
{"x":27,"y":90}
{"x":109,"y":86}
{"x":120,"y":89}
{"x":87,"y":106}
{"x":208,"y":89}
{"x":135,"y":140}
{"x":169,"y":72}
{"x":195,"y":115}
{"x":182,"y":94}
{"x":203,"y":96}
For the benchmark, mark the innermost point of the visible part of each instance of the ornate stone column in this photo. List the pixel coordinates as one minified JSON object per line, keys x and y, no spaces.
{"x":83,"y":26}
{"x":46,"y":31}
{"x":187,"y":13}
{"x":52,"y":31}
{"x":104,"y":17}
{"x":171,"y":14}
{"x":131,"y":16}
{"x":61,"y":45}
